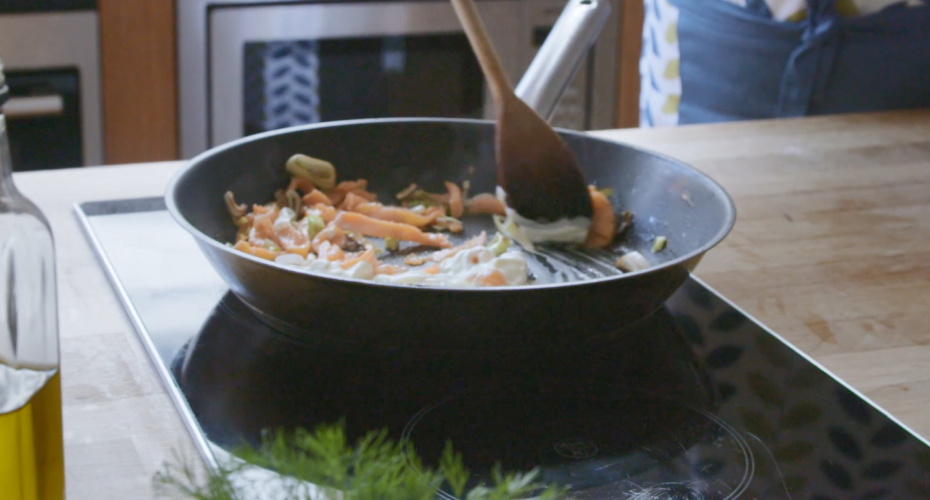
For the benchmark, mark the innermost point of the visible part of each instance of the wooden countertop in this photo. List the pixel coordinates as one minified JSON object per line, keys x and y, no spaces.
{"x":831,"y":249}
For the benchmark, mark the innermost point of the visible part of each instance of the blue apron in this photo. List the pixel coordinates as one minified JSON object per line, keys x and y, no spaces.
{"x":739,"y":64}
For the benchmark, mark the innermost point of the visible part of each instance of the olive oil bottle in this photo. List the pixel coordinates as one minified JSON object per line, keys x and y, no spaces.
{"x":31,"y":451}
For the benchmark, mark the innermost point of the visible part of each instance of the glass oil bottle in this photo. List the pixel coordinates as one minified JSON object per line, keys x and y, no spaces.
{"x":31,"y":450}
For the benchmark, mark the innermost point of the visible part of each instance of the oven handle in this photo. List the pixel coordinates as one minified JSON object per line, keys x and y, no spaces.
{"x":561,"y":54}
{"x":34,"y":106}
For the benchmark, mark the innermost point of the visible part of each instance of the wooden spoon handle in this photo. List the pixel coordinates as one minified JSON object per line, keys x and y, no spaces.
{"x":484,"y":49}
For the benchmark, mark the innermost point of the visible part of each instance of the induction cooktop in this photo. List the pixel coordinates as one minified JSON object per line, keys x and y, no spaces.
{"x":698,"y":401}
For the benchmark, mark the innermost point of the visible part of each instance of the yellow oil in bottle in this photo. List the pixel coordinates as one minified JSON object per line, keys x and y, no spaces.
{"x":31,"y":454}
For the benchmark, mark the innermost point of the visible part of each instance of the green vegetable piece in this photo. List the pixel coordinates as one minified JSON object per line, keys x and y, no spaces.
{"x":499,"y":244}
{"x":321,"y":173}
{"x":270,"y":245}
{"x":315,"y":224}
{"x":659,"y":244}
{"x":391,"y":244}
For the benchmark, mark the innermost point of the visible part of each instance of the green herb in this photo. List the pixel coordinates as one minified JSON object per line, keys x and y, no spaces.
{"x":322,"y":465}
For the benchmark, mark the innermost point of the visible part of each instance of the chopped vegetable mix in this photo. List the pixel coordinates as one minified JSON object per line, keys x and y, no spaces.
{"x":319,"y":222}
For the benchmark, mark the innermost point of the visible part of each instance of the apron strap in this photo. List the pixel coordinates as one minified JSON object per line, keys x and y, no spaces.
{"x":805,"y":77}
{"x":818,"y":10}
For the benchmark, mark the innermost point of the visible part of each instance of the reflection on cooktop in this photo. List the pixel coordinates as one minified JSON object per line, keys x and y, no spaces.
{"x":696,"y":402}
{"x":603,"y":418}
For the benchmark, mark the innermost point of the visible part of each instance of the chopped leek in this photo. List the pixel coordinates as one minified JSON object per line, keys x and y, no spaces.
{"x":320,"y":172}
{"x":659,"y":244}
{"x":315,"y":224}
{"x":499,"y":244}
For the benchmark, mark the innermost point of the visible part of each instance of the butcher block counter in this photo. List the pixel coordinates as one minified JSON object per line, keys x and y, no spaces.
{"x":831,"y":250}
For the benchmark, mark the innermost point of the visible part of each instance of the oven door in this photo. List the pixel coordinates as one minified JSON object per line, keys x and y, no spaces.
{"x":44,"y":119}
{"x":54,"y":116}
{"x":273,"y":66}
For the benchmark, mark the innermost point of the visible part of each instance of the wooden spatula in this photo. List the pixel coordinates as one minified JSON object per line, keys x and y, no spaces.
{"x":535,"y":167}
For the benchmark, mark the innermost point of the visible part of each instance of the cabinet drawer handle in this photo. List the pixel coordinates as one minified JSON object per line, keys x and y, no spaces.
{"x":34,"y":106}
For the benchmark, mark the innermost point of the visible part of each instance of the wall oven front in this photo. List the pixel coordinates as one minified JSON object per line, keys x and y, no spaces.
{"x":52,"y":64}
{"x":269,"y":65}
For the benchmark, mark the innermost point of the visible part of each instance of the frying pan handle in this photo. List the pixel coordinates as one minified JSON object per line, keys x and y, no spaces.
{"x":560,"y":56}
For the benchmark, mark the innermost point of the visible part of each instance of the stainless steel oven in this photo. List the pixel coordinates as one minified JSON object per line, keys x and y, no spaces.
{"x":248,"y":66}
{"x":52,"y":64}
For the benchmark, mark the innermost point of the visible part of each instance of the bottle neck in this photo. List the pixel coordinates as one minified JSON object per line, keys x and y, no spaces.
{"x":6,"y":161}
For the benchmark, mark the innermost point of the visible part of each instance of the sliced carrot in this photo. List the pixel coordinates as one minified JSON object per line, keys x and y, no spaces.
{"x":455,"y":200}
{"x":604,"y":222}
{"x":362,"y":224}
{"x":439,"y":256}
{"x":338,"y":193}
{"x":259,"y":252}
{"x":316,"y":196}
{"x":351,"y":201}
{"x":397,"y":214}
{"x":485,"y":203}
{"x":366,"y":195}
{"x":303,"y":251}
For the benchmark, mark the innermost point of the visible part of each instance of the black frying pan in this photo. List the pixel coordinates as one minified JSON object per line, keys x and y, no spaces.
{"x":667,"y":198}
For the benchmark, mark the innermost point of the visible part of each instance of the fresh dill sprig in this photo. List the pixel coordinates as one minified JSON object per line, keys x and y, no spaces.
{"x":322,"y":465}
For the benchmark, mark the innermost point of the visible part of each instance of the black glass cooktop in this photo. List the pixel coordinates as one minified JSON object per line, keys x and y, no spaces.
{"x":699,"y":401}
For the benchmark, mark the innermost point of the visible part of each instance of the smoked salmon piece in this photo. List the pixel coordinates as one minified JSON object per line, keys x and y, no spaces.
{"x":316,"y":196}
{"x":604,"y":222}
{"x":358,"y":187}
{"x":456,"y":207}
{"x":326,"y":212}
{"x":491,"y":278}
{"x":441,"y":255}
{"x":305,"y":186}
{"x":368,"y":255}
{"x":485,"y":203}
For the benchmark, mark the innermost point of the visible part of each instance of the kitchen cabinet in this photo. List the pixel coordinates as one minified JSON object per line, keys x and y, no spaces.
{"x":137,"y":44}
